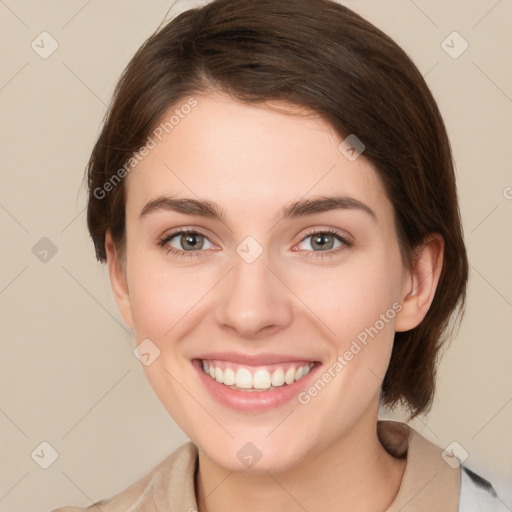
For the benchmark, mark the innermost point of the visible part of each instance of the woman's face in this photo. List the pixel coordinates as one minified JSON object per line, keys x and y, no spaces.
{"x":257,"y":294}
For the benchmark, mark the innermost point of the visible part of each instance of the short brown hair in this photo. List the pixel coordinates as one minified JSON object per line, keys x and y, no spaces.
{"x":320,"y":55}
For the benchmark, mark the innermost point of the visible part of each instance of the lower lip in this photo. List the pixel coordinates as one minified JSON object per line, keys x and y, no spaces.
{"x":253,"y":401}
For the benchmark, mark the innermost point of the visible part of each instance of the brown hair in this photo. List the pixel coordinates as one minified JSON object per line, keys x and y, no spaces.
{"x":320,"y":55}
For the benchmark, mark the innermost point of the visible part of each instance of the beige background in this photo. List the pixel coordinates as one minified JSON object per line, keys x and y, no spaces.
{"x":68,"y":375}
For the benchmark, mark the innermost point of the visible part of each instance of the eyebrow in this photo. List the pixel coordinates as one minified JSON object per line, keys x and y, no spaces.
{"x":296,"y":209}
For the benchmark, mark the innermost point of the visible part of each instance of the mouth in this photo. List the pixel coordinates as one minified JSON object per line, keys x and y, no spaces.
{"x":248,"y":378}
{"x":254,"y":388}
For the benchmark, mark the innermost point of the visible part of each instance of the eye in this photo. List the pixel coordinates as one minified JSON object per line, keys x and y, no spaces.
{"x":187,"y":242}
{"x":324,"y":241}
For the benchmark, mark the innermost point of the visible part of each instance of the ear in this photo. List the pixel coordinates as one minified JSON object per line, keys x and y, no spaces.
{"x":420,"y":283}
{"x":118,"y":281}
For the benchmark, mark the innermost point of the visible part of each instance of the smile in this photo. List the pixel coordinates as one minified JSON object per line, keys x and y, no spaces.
{"x":249,"y":378}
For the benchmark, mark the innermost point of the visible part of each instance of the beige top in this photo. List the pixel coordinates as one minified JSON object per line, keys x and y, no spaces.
{"x":428,"y":483}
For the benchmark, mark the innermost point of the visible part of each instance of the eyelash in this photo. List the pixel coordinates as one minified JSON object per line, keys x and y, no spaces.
{"x":347,"y":243}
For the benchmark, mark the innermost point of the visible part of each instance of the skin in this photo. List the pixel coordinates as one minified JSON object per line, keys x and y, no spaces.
{"x":253,"y":161}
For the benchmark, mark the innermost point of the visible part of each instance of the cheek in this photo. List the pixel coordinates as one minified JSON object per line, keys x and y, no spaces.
{"x":357,"y":307}
{"x":165,"y":302}
{"x":351,"y":298}
{"x":161,"y":296}
{"x":360,"y":313}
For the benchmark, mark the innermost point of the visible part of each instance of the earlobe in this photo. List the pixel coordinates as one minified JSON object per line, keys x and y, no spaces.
{"x":118,"y":281}
{"x":420,"y":283}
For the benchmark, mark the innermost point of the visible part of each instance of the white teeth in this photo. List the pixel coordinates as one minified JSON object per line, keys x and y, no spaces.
{"x":243,"y":378}
{"x":278,"y":377}
{"x":261,"y":379}
{"x":289,"y":376}
{"x":229,"y":377}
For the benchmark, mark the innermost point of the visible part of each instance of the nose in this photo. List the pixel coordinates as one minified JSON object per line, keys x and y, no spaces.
{"x":253,"y":301}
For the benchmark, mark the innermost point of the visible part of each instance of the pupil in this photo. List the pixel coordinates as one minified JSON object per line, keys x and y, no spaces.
{"x":320,"y":240}
{"x":189,"y":240}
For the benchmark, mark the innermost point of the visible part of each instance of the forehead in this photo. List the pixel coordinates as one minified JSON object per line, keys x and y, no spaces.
{"x":248,"y":158}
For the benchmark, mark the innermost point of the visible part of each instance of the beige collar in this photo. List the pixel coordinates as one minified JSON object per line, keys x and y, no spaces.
{"x":428,"y":483}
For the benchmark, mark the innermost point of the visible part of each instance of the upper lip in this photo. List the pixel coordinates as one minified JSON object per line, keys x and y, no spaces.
{"x":255,"y":359}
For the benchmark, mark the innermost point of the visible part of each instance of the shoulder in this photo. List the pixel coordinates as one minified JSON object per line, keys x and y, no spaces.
{"x":477,"y":494}
{"x":170,"y":482}
{"x":428,"y":482}
{"x":435,"y":479}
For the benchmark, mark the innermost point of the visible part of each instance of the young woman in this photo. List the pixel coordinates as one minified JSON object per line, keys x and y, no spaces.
{"x":274,"y":194}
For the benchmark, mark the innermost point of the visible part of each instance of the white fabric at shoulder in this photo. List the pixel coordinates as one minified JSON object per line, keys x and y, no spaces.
{"x":477,"y":494}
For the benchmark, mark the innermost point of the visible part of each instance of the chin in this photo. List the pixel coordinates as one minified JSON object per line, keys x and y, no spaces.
{"x":255,"y":457}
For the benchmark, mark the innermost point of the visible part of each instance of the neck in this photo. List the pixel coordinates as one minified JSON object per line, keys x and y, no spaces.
{"x":354,"y":473}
